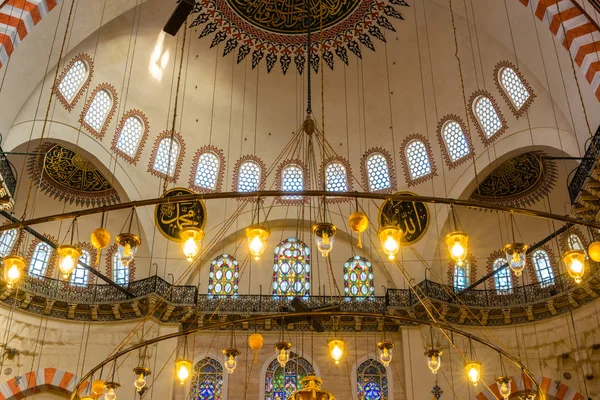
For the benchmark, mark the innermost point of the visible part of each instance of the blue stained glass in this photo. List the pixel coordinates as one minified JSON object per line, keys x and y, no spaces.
{"x":280,"y":382}
{"x":372,"y":391}
{"x":372,"y":382}
{"x":207,"y":383}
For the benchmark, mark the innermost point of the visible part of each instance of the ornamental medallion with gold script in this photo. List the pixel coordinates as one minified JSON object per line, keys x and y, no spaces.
{"x":411,"y":216}
{"x":171,"y":218}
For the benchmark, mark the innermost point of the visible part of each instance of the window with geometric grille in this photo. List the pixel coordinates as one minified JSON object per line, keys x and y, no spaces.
{"x":281,"y":383}
{"x":575,"y":242}
{"x":543,"y":268}
{"x":207,"y":171}
{"x":249,"y":177}
{"x":291,"y":179}
{"x":163,"y":164}
{"x":73,"y":80}
{"x":130,"y":135}
{"x":378,"y":172}
{"x":455,"y":140}
{"x":79,"y":277}
{"x":207,"y":382}
{"x":358,"y":278}
{"x":223,"y":278}
{"x":502,"y":279}
{"x":461,"y":276}
{"x":418,"y":160}
{"x":120,"y":272}
{"x":487,"y":116}
{"x":7,"y":242}
{"x":336,"y":179}
{"x":372,"y":381}
{"x":98,"y":111}
{"x":514,"y":87}
{"x":38,"y":264}
{"x":291,"y":269}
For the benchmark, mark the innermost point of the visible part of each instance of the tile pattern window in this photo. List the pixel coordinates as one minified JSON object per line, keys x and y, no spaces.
{"x":372,"y":381}
{"x":7,"y":242}
{"x":224,"y":275}
{"x":502,"y":279}
{"x":358,"y":278}
{"x":574,"y":242}
{"x":291,"y":269}
{"x":73,"y":80}
{"x":280,"y":383}
{"x":249,"y":177}
{"x":291,"y":177}
{"x":207,"y":383}
{"x":120,"y":272}
{"x":456,"y":141}
{"x":98,"y":110}
{"x":163,"y":164}
{"x":79,"y":277}
{"x":378,"y":172}
{"x":418,"y":160}
{"x":514,"y":87}
{"x":461,"y":276}
{"x":336,"y":179}
{"x":130,"y":136}
{"x":38,"y":264}
{"x":543,"y":268}
{"x":207,"y":171}
{"x":488,"y":118}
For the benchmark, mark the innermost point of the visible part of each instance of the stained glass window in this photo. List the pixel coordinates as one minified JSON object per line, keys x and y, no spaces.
{"x":40,"y":259}
{"x":543,"y":268}
{"x":574,"y":242}
{"x":163,"y":163}
{"x":418,"y":159}
{"x":488,"y":118}
{"x":456,"y":141}
{"x":207,"y":171}
{"x":372,"y":381}
{"x":358,"y":277}
{"x":502,"y":279}
{"x":130,"y":135}
{"x":291,"y":269}
{"x":249,"y":177}
{"x":292,"y":180}
{"x":7,"y":241}
{"x":98,"y":111}
{"x":280,"y":383}
{"x":335,"y":177}
{"x":79,"y":277}
{"x":207,"y":383}
{"x":461,"y":276}
{"x":378,"y":172}
{"x":73,"y":80}
{"x":120,"y":272}
{"x":514,"y":87}
{"x":224,"y":274}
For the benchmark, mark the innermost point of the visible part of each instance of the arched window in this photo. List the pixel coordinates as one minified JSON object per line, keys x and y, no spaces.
{"x":336,"y":177}
{"x":291,"y":177}
{"x":543,"y":268}
{"x":120,"y":272}
{"x":224,"y":276}
{"x":207,"y":383}
{"x":418,"y":160}
{"x":131,"y":135}
{"x":38,"y":264}
{"x":574,"y":242}
{"x":207,"y":171}
{"x":99,"y":110}
{"x":7,"y":241}
{"x":73,"y":80}
{"x":456,"y":145}
{"x":513,"y":87}
{"x":502,"y":279}
{"x":461,"y":276}
{"x":291,"y":269}
{"x":79,"y":277}
{"x":487,"y":117}
{"x":358,"y":278}
{"x":249,"y":177}
{"x":163,"y":164}
{"x":280,"y":383}
{"x":378,"y":172}
{"x":372,"y":381}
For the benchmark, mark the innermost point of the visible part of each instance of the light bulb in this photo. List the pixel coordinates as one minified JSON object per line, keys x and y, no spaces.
{"x":473,"y":370}
{"x":111,"y":394}
{"x":190,"y":249}
{"x":68,"y":256}
{"x":13,"y":274}
{"x":231,"y":364}
{"x":67,"y":266}
{"x":504,"y":387}
{"x":458,"y":250}
{"x":385,"y":352}
{"x":282,"y":358}
{"x":324,"y":237}
{"x":434,"y":360}
{"x":336,"y":349}
{"x":140,"y":382}
{"x":257,"y":247}
{"x":13,"y":267}
{"x":182,"y":370}
{"x":257,"y":240}
{"x":190,"y":241}
{"x":183,"y":374}
{"x":390,"y":237}
{"x":128,"y":244}
{"x":390,"y":245}
{"x":575,"y":262}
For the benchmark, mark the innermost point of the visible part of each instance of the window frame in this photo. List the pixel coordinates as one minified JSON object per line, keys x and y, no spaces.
{"x":220,"y":172}
{"x":236,"y":173}
{"x":99,"y":134}
{"x":444,"y":145}
{"x":518,"y":112}
{"x":391,"y":170}
{"x":46,"y":271}
{"x":111,"y":253}
{"x":198,"y":372}
{"x":405,"y":161}
{"x":234,"y":281}
{"x":277,"y":269}
{"x":487,"y":141}
{"x":305,"y":182}
{"x":323,"y":177}
{"x":536,"y":271}
{"x":369,"y":282}
{"x":509,"y":278}
{"x":14,"y":233}
{"x":178,"y":161}
{"x":86,"y":273}
{"x":383,"y":375}
{"x":134,"y":113}
{"x":69,"y":105}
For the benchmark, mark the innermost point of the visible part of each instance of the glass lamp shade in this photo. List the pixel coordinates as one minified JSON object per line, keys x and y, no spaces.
{"x":183,"y":370}
{"x":128,"y":244}
{"x":231,"y":356}
{"x":98,"y":387}
{"x":13,"y":269}
{"x":141,"y":373}
{"x":283,"y":352}
{"x":434,"y":360}
{"x":473,"y":370}
{"x":112,"y":390}
{"x":515,"y":255}
{"x":336,"y":349}
{"x":390,"y":238}
{"x":190,"y":242}
{"x":458,"y":244}
{"x":504,"y":386}
{"x":385,"y":352}
{"x":324,"y":237}
{"x":575,"y":262}
{"x":68,"y":257}
{"x":257,"y":240}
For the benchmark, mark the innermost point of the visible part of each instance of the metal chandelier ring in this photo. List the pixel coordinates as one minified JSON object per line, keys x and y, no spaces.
{"x":305,"y":193}
{"x":540,"y":395}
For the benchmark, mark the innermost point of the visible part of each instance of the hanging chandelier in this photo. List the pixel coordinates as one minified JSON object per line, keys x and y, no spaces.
{"x":311,"y":390}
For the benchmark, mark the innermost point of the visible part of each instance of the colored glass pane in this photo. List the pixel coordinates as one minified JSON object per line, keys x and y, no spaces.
{"x":372,"y":381}
{"x":207,"y":383}
{"x":291,"y":269}
{"x":223,"y":278}
{"x":280,"y":382}
{"x":358,"y":277}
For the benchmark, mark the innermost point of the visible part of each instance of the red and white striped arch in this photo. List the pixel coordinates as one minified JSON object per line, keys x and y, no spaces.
{"x":549,"y":387}
{"x":39,"y":381}
{"x":576,"y":31}
{"x":17,"y":19}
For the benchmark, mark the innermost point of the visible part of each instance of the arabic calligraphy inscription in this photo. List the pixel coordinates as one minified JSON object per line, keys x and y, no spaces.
{"x":171,"y":218}
{"x":411,"y":216}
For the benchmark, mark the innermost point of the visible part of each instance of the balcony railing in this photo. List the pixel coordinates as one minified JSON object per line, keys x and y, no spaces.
{"x":585,"y":168}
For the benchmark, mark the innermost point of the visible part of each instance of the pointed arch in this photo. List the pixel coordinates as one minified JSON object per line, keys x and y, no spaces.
{"x":281,"y":382}
{"x":292,"y":176}
{"x":454,"y":140}
{"x":7,"y":241}
{"x":41,"y":380}
{"x":131,"y":135}
{"x":377,"y":170}
{"x":542,"y":266}
{"x":372,"y":381}
{"x":99,"y":110}
{"x":166,"y":158}
{"x":208,"y":171}
{"x":486,"y":116}
{"x":81,"y":276}
{"x":461,"y":276}
{"x":115,"y":270}
{"x":573,"y":239}
{"x":516,"y":91}
{"x":207,"y":382}
{"x":41,"y":257}
{"x":74,"y":80}
{"x":249,"y":174}
{"x":504,"y":281}
{"x":338,"y":177}
{"x":417,"y":159}
{"x":224,"y":275}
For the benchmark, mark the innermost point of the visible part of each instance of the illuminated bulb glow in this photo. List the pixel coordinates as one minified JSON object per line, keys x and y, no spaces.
{"x":473,"y":370}
{"x":336,"y":349}
{"x":190,"y":240}
{"x":183,"y":370}
{"x":575,"y":263}
{"x":257,"y":240}
{"x":67,"y":259}
{"x":385,"y":352}
{"x":190,"y":249}
{"x":140,"y":382}
{"x":390,"y":238}
{"x":13,"y":267}
{"x":504,"y":387}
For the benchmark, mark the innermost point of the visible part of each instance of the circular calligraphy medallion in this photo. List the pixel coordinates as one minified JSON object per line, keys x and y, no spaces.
{"x":411,"y":216}
{"x":171,"y":218}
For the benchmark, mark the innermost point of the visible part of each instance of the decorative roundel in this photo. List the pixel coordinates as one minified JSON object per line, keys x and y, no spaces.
{"x":171,"y":218}
{"x":411,"y":216}
{"x":278,"y":29}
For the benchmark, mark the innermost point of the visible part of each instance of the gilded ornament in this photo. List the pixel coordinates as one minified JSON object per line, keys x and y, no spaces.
{"x":311,"y":390}
{"x":358,"y":222}
{"x":98,"y":386}
{"x":256,"y":341}
{"x":594,"y":251}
